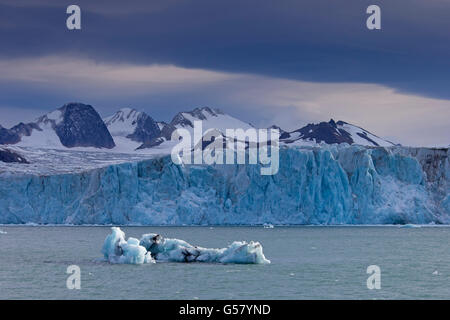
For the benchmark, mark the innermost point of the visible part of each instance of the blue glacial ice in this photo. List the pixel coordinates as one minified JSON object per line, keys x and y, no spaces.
{"x":153,"y":247}
{"x":118,"y":250}
{"x":315,"y":185}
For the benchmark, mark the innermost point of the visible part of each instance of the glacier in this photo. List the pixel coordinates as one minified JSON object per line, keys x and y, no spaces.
{"x":325,"y":185}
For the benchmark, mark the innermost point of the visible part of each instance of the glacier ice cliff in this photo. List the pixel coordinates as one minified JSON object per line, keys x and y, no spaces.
{"x":315,"y":185}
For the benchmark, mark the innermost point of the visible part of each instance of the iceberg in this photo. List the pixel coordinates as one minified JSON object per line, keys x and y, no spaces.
{"x":153,"y":247}
{"x":409,"y":226}
{"x":118,"y":250}
{"x":327,"y":185}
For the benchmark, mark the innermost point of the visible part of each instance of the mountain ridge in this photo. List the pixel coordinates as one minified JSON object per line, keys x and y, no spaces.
{"x":79,"y":125}
{"x":72,"y":125}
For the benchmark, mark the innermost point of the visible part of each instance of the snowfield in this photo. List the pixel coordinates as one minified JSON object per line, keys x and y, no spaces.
{"x":44,"y":161}
{"x":327,"y":184}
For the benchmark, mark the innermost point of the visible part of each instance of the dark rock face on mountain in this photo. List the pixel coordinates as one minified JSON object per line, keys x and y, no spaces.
{"x":11,"y":156}
{"x":165,"y":135}
{"x":146,"y":129}
{"x":327,"y":132}
{"x":8,"y":137}
{"x":335,"y":132}
{"x":76,"y":124}
{"x":152,"y":143}
{"x":82,"y":126}
{"x":198,"y":113}
{"x":134,"y":125}
{"x":181,"y":119}
{"x":275,"y":127}
{"x":24,"y":129}
{"x":167,"y":130}
{"x":15,"y":134}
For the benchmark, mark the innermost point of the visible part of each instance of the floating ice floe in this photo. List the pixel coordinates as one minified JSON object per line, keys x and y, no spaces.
{"x":153,"y":247}
{"x":268,"y":226}
{"x":410,"y":225}
{"x":118,"y":250}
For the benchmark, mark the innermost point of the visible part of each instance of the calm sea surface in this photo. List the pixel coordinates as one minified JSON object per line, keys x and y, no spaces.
{"x":307,"y":263}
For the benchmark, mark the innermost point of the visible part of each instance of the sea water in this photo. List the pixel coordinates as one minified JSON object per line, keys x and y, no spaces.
{"x":306,"y":263}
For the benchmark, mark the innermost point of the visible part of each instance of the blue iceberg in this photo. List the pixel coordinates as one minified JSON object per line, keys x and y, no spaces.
{"x":153,"y":247}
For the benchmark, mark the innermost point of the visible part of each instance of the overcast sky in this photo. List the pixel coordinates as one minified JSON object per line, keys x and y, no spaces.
{"x":286,"y":62}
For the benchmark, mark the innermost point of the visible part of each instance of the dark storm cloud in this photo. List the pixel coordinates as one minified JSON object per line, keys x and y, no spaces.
{"x":303,"y":40}
{"x":283,"y":62}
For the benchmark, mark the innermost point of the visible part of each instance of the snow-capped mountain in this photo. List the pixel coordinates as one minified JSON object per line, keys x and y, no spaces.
{"x":210,"y":118}
{"x":324,"y":132}
{"x":14,"y":135}
{"x":7,"y":136}
{"x":128,"y":130}
{"x":333,"y":132}
{"x":363,"y":137}
{"x":123,"y":122}
{"x":79,"y":125}
{"x":72,"y":125}
{"x":131,"y":127}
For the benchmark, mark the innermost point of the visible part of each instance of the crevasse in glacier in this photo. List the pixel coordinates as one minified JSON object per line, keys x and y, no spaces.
{"x":336,"y":184}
